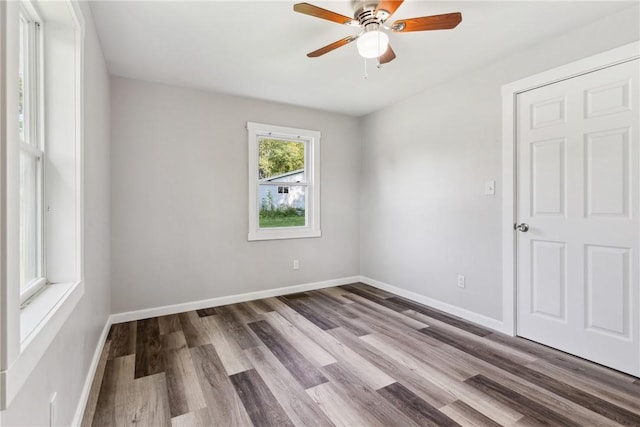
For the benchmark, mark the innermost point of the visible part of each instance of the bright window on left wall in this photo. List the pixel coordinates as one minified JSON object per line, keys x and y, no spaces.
{"x":41,"y":139}
{"x":32,"y":157}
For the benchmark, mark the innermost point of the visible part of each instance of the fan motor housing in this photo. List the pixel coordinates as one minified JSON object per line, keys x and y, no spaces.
{"x":360,"y":6}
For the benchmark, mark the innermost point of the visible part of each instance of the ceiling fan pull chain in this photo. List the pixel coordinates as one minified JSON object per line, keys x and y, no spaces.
{"x":365,"y":68}
{"x":379,"y":54}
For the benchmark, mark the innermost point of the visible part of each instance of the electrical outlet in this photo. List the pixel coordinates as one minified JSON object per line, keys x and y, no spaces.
{"x":461,"y":283}
{"x":53,"y":409}
{"x":296,"y":264}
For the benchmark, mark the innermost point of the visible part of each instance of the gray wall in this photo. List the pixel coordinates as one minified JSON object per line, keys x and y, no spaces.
{"x":424,"y":216}
{"x":176,"y":154}
{"x":64,"y":367}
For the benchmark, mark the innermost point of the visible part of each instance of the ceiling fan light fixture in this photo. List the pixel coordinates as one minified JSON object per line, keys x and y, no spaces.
{"x":370,"y":16}
{"x":372,"y":44}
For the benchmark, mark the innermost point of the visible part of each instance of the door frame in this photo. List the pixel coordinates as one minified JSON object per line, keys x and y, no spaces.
{"x":510,"y":92}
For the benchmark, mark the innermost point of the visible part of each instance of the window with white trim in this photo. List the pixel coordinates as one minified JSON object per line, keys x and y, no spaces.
{"x":284,"y":182}
{"x":31,"y":141}
{"x":42,"y":163}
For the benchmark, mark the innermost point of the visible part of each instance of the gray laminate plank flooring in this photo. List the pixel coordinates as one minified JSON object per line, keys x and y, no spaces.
{"x":350,"y":355}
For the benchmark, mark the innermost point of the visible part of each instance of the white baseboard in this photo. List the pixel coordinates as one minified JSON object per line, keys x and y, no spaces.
{"x":471,"y":316}
{"x":231,"y":299}
{"x":86,"y":389}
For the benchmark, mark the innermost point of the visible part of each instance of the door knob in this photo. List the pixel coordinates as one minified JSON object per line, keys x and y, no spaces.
{"x":523,"y":227}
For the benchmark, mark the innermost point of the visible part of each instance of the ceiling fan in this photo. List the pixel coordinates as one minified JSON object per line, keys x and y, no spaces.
{"x":370,"y":16}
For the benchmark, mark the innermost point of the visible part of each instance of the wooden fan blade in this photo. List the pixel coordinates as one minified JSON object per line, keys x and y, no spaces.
{"x":427,"y":23}
{"x":318,"y":12}
{"x":388,"y":56}
{"x":389,"y":6}
{"x":328,"y":48}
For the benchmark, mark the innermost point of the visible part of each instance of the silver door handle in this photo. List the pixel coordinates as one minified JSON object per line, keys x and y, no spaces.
{"x":523,"y":227}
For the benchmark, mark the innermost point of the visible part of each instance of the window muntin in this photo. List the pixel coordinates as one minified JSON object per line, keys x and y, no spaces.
{"x":31,"y":158}
{"x":284,"y":182}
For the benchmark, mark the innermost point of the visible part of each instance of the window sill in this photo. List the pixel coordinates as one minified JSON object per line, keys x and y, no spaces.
{"x":35,"y":315}
{"x":40,"y":322}
{"x":282,"y":233}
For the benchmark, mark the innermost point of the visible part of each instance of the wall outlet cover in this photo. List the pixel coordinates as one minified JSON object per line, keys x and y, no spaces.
{"x":461,"y":281}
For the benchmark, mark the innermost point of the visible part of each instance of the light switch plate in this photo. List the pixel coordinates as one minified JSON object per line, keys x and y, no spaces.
{"x":490,"y":188}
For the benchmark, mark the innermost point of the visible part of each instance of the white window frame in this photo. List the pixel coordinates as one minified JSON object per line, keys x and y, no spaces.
{"x":29,"y":329}
{"x":34,"y":143}
{"x":311,"y":138}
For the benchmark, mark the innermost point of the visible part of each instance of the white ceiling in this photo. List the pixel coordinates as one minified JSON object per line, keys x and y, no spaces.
{"x":258,"y":48}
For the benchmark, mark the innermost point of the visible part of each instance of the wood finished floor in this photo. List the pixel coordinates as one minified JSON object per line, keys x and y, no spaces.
{"x":345,"y":356}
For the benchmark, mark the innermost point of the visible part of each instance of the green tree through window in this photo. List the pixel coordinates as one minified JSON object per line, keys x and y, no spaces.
{"x":276,"y":157}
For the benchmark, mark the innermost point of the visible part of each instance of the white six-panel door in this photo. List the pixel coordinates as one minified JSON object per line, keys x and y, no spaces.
{"x":578,"y":192}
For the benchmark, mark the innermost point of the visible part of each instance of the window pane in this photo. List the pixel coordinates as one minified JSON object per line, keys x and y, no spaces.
{"x":282,"y":209}
{"x":280,"y":160}
{"x":21,"y":77}
{"x":28,"y":218}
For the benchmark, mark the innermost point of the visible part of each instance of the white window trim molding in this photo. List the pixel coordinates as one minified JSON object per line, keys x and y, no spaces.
{"x":80,"y":30}
{"x":26,"y":334}
{"x":510,"y":92}
{"x":312,"y":152}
